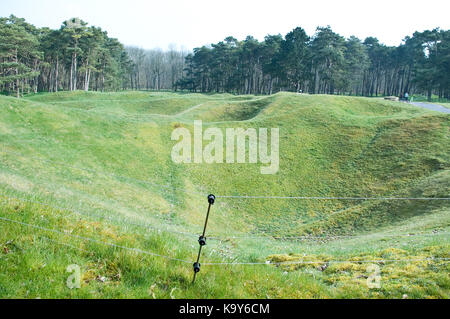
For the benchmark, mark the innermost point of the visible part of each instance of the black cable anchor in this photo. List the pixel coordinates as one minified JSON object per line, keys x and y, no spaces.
{"x":202,"y":238}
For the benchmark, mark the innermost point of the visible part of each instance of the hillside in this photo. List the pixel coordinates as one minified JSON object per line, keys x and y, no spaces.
{"x":98,"y":166}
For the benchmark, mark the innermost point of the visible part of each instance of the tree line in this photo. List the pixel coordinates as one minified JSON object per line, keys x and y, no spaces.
{"x":74,"y":57}
{"x":325,"y":63}
{"x":156,"y":69}
{"x":81,"y":57}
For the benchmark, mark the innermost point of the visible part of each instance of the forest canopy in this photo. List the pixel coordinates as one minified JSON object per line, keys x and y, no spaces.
{"x":74,"y":57}
{"x":81,"y":57}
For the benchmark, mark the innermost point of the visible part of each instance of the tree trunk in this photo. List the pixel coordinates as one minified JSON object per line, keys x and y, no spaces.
{"x":86,"y":75}
{"x":270,"y":86}
{"x":75,"y":73}
{"x":56,"y":74}
{"x":35,"y":80}
{"x":316,"y":81}
{"x":71,"y":75}
{"x":17,"y":79}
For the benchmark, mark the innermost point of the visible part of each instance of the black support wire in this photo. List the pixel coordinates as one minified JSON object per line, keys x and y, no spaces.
{"x":202,"y":239}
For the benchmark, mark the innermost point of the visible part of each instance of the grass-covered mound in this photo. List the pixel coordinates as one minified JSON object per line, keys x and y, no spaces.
{"x":98,"y":165}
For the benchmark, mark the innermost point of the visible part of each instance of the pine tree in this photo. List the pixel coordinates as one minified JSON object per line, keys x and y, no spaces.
{"x":74,"y":29}
{"x":295,"y":56}
{"x":18,"y":50}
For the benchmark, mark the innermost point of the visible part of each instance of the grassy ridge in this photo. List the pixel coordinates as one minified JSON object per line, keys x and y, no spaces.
{"x":105,"y":159}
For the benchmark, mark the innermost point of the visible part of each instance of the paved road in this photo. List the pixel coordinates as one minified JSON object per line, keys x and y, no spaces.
{"x":434,"y":107}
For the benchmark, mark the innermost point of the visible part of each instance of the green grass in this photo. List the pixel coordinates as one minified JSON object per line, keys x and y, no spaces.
{"x":98,"y":165}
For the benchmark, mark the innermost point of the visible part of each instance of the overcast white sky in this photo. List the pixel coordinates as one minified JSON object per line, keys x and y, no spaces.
{"x":150,"y":24}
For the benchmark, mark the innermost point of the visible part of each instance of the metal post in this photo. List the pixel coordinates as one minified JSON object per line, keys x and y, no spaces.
{"x":202,"y":238}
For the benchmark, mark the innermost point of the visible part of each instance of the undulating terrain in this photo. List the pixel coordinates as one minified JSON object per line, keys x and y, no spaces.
{"x":84,"y":176}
